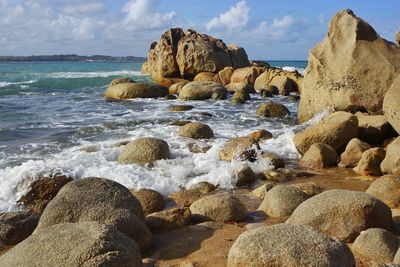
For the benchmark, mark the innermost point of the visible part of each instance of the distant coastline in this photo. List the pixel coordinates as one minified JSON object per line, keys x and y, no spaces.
{"x":71,"y":58}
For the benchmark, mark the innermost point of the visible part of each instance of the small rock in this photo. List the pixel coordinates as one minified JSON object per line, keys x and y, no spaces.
{"x":203,"y":187}
{"x":16,"y":226}
{"x":319,"y":156}
{"x":275,"y":176}
{"x":240,"y":98}
{"x":272,"y":109}
{"x":239,"y":148}
{"x":179,"y":123}
{"x":370,"y":162}
{"x":168,"y":219}
{"x":195,"y":148}
{"x":135,"y":90}
{"x":261,"y":135}
{"x":353,"y":153}
{"x":221,"y":207}
{"x":276,"y":161}
{"x":267,"y":93}
{"x":310,"y":188}
{"x":196,"y":130}
{"x":386,"y":189}
{"x":144,"y":150}
{"x":179,"y":108}
{"x":185,"y":197}
{"x":170,"y":97}
{"x":245,"y":176}
{"x":282,"y":200}
{"x":262,"y":190}
{"x":151,"y":200}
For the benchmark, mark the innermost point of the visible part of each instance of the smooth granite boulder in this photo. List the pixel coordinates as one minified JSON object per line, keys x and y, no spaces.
{"x":144,"y":150}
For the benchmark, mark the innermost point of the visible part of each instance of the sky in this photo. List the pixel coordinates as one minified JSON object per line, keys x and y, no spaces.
{"x":284,"y":30}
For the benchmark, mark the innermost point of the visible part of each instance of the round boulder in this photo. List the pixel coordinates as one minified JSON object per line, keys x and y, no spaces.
{"x":342,"y":214}
{"x":240,"y":148}
{"x":370,"y":162}
{"x":204,"y":76}
{"x":135,"y":90}
{"x":144,"y":150}
{"x":288,"y":245}
{"x":282,"y":200}
{"x":391,"y":163}
{"x":121,"y":80}
{"x":386,"y":189}
{"x":353,"y":153}
{"x":102,"y":200}
{"x":196,"y":130}
{"x":220,"y":207}
{"x":319,"y":156}
{"x":261,"y":135}
{"x":151,"y":200}
{"x":75,"y":244}
{"x":201,"y":90}
{"x":272,"y":109}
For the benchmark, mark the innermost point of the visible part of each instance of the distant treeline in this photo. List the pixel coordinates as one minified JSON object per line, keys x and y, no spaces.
{"x":70,"y":58}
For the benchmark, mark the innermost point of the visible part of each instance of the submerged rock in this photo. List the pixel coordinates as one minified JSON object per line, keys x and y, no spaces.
{"x":344,"y":71}
{"x":288,"y":245}
{"x":353,"y":153}
{"x":335,"y":130}
{"x":196,"y":130}
{"x":144,"y":150}
{"x":342,"y":214}
{"x":202,"y":90}
{"x":16,"y":226}
{"x":89,"y":199}
{"x":75,"y":244}
{"x":135,"y":90}
{"x":179,"y":108}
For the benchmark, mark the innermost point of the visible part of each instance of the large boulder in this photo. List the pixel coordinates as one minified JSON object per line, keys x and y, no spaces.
{"x":353,"y":153}
{"x":390,"y":104}
{"x":240,"y":87}
{"x":144,"y":150}
{"x":239,"y":148}
{"x":288,"y":245}
{"x":375,"y":247}
{"x":282,"y":200}
{"x":285,"y":82}
{"x":202,"y":90}
{"x":204,"y":76}
{"x":335,"y":130}
{"x":220,"y":207}
{"x":342,"y":214}
{"x":373,"y":129}
{"x":177,"y":87}
{"x":391,"y":163}
{"x":224,"y":75}
{"x":370,"y":162}
{"x":238,"y":56}
{"x":75,"y":244}
{"x":121,"y":80}
{"x":102,"y":200}
{"x":135,"y":90}
{"x":196,"y":130}
{"x":16,"y":226}
{"x":272,"y":109}
{"x":246,"y":75}
{"x":319,"y":156}
{"x":386,"y":189}
{"x":344,"y":71}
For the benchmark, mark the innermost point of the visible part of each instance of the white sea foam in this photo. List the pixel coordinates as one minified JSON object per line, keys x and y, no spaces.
{"x":4,"y":84}
{"x":291,"y":68}
{"x":94,"y":74}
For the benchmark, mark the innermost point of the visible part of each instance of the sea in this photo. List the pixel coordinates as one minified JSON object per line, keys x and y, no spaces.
{"x":54,"y":119}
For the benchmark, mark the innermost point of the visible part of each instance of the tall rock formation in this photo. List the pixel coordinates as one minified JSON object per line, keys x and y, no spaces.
{"x":180,"y":54}
{"x":351,"y":69}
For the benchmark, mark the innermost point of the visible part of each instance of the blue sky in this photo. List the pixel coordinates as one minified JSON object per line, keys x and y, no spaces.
{"x":267,"y":29}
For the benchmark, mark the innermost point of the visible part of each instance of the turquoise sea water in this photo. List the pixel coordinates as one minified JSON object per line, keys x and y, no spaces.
{"x":50,"y":112}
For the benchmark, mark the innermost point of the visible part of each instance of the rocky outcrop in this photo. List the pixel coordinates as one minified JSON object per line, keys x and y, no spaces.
{"x":353,"y":153}
{"x":16,"y":226}
{"x":196,"y":130}
{"x":335,"y":130}
{"x":386,"y":189}
{"x":221,"y":207}
{"x":344,"y":71}
{"x":144,"y":150}
{"x":319,"y":156}
{"x":185,"y":54}
{"x":391,"y":163}
{"x":342,"y":214}
{"x":135,"y":90}
{"x":89,"y":199}
{"x":75,"y":244}
{"x":375,"y":247}
{"x":150,"y":200}
{"x":391,"y":104}
{"x":288,"y":245}
{"x":202,"y":90}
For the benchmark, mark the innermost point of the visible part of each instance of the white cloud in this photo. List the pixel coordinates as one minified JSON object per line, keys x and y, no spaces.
{"x":84,"y":8}
{"x":235,"y":18}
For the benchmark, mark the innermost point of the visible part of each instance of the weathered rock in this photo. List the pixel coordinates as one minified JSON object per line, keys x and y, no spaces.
{"x":278,"y":81}
{"x":150,"y":200}
{"x":177,"y":87}
{"x":274,"y":175}
{"x":239,"y":148}
{"x":197,"y":148}
{"x":220,"y":207}
{"x":75,"y":244}
{"x":16,"y":226}
{"x":398,"y":38}
{"x":335,"y":130}
{"x":245,"y":176}
{"x":224,"y":76}
{"x":204,"y":76}
{"x":144,"y":150}
{"x":344,"y":71}
{"x":121,"y":80}
{"x":185,"y":197}
{"x":178,"y":108}
{"x":240,"y":87}
{"x":246,"y":75}
{"x":240,"y":98}
{"x":168,"y":219}
{"x":390,"y":104}
{"x":342,"y":214}
{"x":370,"y":162}
{"x":261,"y":135}
{"x":270,"y":91}
{"x":89,"y":200}
{"x":135,"y":90}
{"x":386,"y":189}
{"x":238,"y":56}
{"x":373,"y":129}
{"x":196,"y":130}
{"x":284,"y":84}
{"x":203,"y":187}
{"x":42,"y":191}
{"x":310,"y":188}
{"x":288,"y":245}
{"x":276,"y":161}
{"x":319,"y":156}
{"x":353,"y":153}
{"x":391,"y":163}
{"x":262,"y":190}
{"x":272,"y":109}
{"x":282,"y":200}
{"x":202,"y":90}
{"x":375,"y":247}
